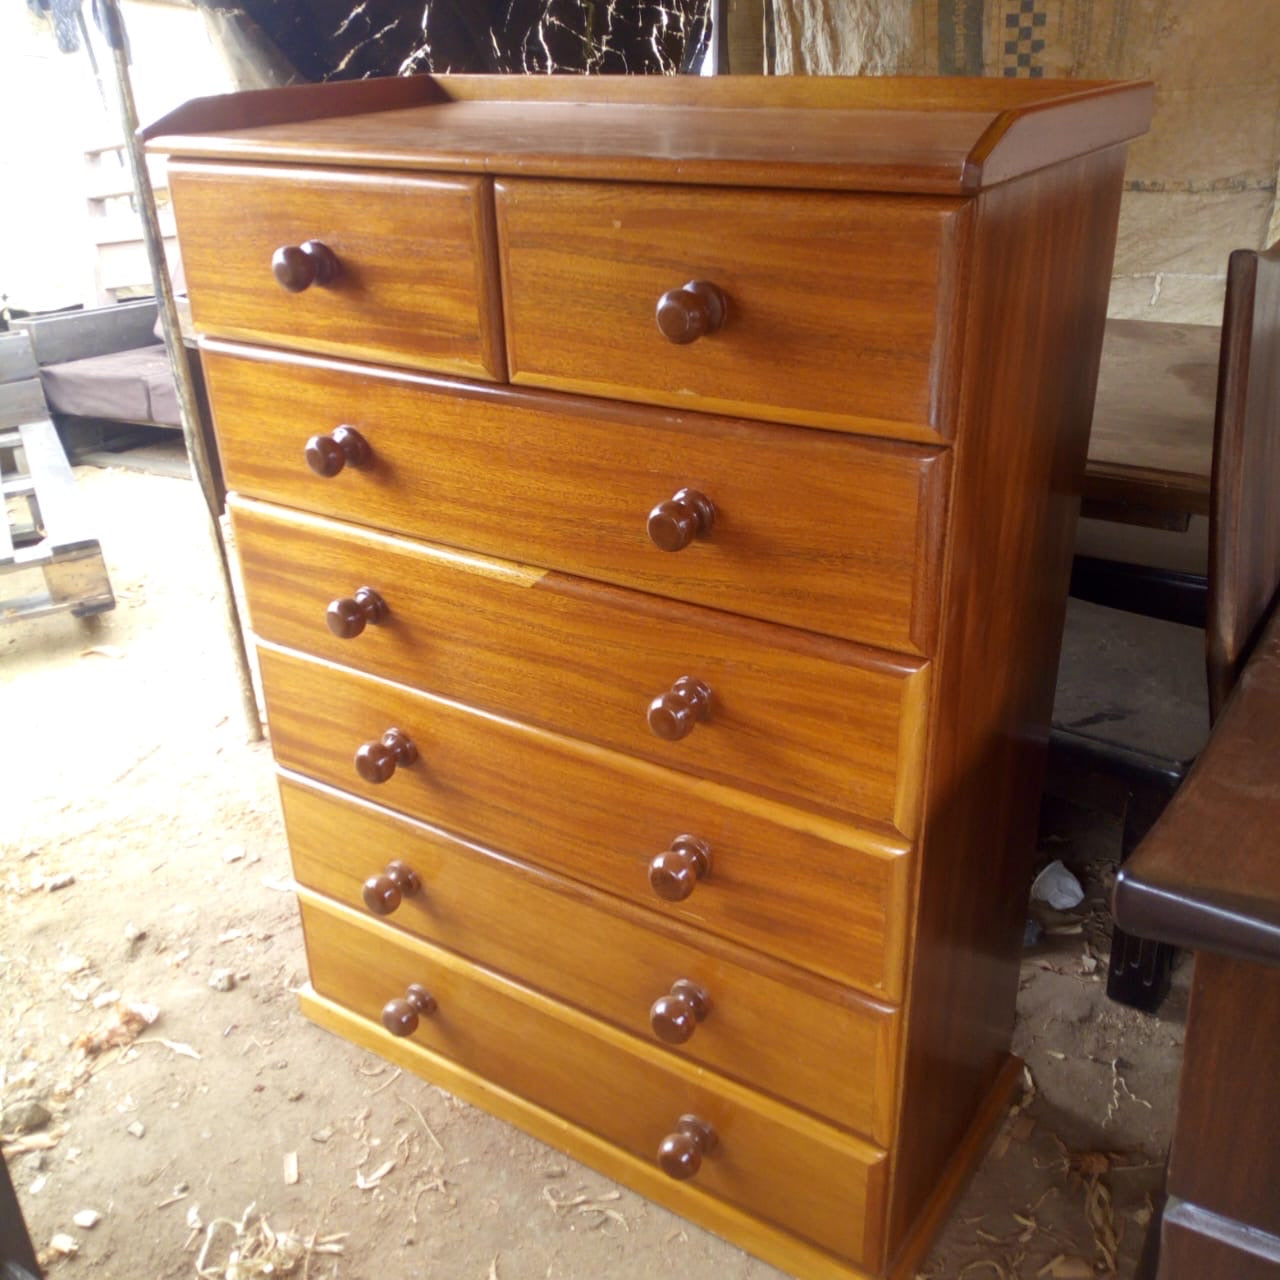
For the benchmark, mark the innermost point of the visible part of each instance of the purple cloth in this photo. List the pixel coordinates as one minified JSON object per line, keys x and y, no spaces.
{"x":126,"y":386}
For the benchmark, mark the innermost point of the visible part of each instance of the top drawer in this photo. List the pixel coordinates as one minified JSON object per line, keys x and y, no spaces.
{"x":838,"y":311}
{"x":414,"y":283}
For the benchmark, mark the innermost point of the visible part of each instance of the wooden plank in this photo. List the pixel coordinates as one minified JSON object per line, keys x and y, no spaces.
{"x":21,"y":402}
{"x":6,"y":540}
{"x":73,"y":335}
{"x":16,"y":358}
{"x":63,"y":523}
{"x":1151,"y":444}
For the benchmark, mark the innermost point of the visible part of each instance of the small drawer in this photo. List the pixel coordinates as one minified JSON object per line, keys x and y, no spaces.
{"x":816,"y":892}
{"x":806,"y":1040}
{"x":697,"y":690}
{"x":828,"y":310}
{"x":815,"y":1181}
{"x":807,"y":528}
{"x":404,"y":272}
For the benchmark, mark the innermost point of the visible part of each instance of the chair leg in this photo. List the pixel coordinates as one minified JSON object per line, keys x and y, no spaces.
{"x":1140,"y":970}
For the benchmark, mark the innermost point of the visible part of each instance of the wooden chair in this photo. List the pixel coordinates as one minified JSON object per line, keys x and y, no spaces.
{"x":1208,"y":878}
{"x":1244,"y":572}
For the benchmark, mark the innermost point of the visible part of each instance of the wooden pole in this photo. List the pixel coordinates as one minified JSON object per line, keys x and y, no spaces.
{"x":197,"y":453}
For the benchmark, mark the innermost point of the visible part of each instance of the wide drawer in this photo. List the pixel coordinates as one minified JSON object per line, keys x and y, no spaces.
{"x":810,"y":529}
{"x":803,"y":717}
{"x":839,"y":311}
{"x":415,"y":284}
{"x":814,"y":1180}
{"x":807,"y":1040}
{"x":820,"y":893}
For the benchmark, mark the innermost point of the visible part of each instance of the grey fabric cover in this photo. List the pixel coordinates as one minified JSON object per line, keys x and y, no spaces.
{"x":126,"y":386}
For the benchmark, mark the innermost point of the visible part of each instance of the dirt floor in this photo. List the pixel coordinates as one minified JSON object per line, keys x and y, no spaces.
{"x":142,"y":859}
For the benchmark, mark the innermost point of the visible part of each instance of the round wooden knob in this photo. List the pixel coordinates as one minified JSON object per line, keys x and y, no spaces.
{"x":348,"y":617}
{"x":298,"y":266}
{"x":400,"y":1017}
{"x":686,"y":515}
{"x":673,"y":715}
{"x":691,"y":312}
{"x":383,"y":893}
{"x":327,"y":455}
{"x":675,"y":1017}
{"x":675,"y":872}
{"x":377,"y":761}
{"x":681,"y":1152}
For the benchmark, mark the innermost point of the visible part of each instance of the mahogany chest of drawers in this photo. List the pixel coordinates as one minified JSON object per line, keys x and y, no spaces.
{"x":655,"y":500}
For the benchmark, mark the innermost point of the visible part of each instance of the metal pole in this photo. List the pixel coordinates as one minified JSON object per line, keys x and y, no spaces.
{"x":114,"y":31}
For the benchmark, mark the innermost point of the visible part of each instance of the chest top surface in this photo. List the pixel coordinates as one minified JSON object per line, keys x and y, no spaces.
{"x":941,"y":136}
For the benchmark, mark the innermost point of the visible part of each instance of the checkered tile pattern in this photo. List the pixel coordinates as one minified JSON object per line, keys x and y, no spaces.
{"x":1024,"y":26}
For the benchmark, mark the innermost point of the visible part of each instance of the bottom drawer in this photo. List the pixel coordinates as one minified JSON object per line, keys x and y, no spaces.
{"x":777,"y":1164}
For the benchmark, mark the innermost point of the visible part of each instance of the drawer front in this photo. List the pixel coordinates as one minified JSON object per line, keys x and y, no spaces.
{"x":791,"y":1170}
{"x":838,"y":311}
{"x":415,"y":282}
{"x":808,"y":1041}
{"x":813,"y":891}
{"x":591,"y":661}
{"x":810,"y":529}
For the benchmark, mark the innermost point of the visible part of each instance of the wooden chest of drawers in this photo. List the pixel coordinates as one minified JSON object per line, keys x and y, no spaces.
{"x":655,"y":501}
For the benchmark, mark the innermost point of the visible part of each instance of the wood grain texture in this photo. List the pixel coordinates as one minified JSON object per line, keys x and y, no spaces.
{"x":788,"y":883}
{"x":1033,"y":331}
{"x":811,"y":1043}
{"x":793,"y":715}
{"x":417,"y":283}
{"x":1200,"y":1246}
{"x":1206,"y":876}
{"x":1244,"y":526}
{"x":813,"y":529}
{"x":943,"y":136}
{"x":1151,"y":442}
{"x":759,"y":1236}
{"x":773,"y":1161}
{"x":1224,"y":1156}
{"x":838,"y":311}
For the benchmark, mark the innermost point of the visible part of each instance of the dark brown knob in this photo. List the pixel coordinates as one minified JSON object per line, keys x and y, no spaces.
{"x":673,"y":715}
{"x":675,"y":872}
{"x":298,"y":266}
{"x":680,"y":1154}
{"x":348,"y":617}
{"x":692,"y":311}
{"x":675,"y":1017}
{"x":684,"y":516}
{"x":377,"y":761}
{"x":383,"y":893}
{"x":327,"y":455}
{"x":400,"y":1017}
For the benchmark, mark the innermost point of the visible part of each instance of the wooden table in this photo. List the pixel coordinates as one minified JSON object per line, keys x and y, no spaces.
{"x":1151,"y":447}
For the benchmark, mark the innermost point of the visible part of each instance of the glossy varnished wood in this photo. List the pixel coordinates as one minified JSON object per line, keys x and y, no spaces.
{"x":810,"y":1042}
{"x":943,"y":136}
{"x":1033,"y":334}
{"x":789,"y":883}
{"x":1244,"y":528}
{"x":757,"y":1235}
{"x":415,"y":282}
{"x":1224,"y":1156}
{"x":813,"y":529}
{"x":1207,"y":876}
{"x":587,"y":660}
{"x":776,"y":1162}
{"x":838,"y":311}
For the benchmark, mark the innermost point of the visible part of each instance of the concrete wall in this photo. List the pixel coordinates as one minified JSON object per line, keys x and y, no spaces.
{"x":1202,"y":183}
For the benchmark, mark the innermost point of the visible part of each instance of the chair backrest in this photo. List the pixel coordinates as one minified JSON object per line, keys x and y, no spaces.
{"x":1244,"y":520}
